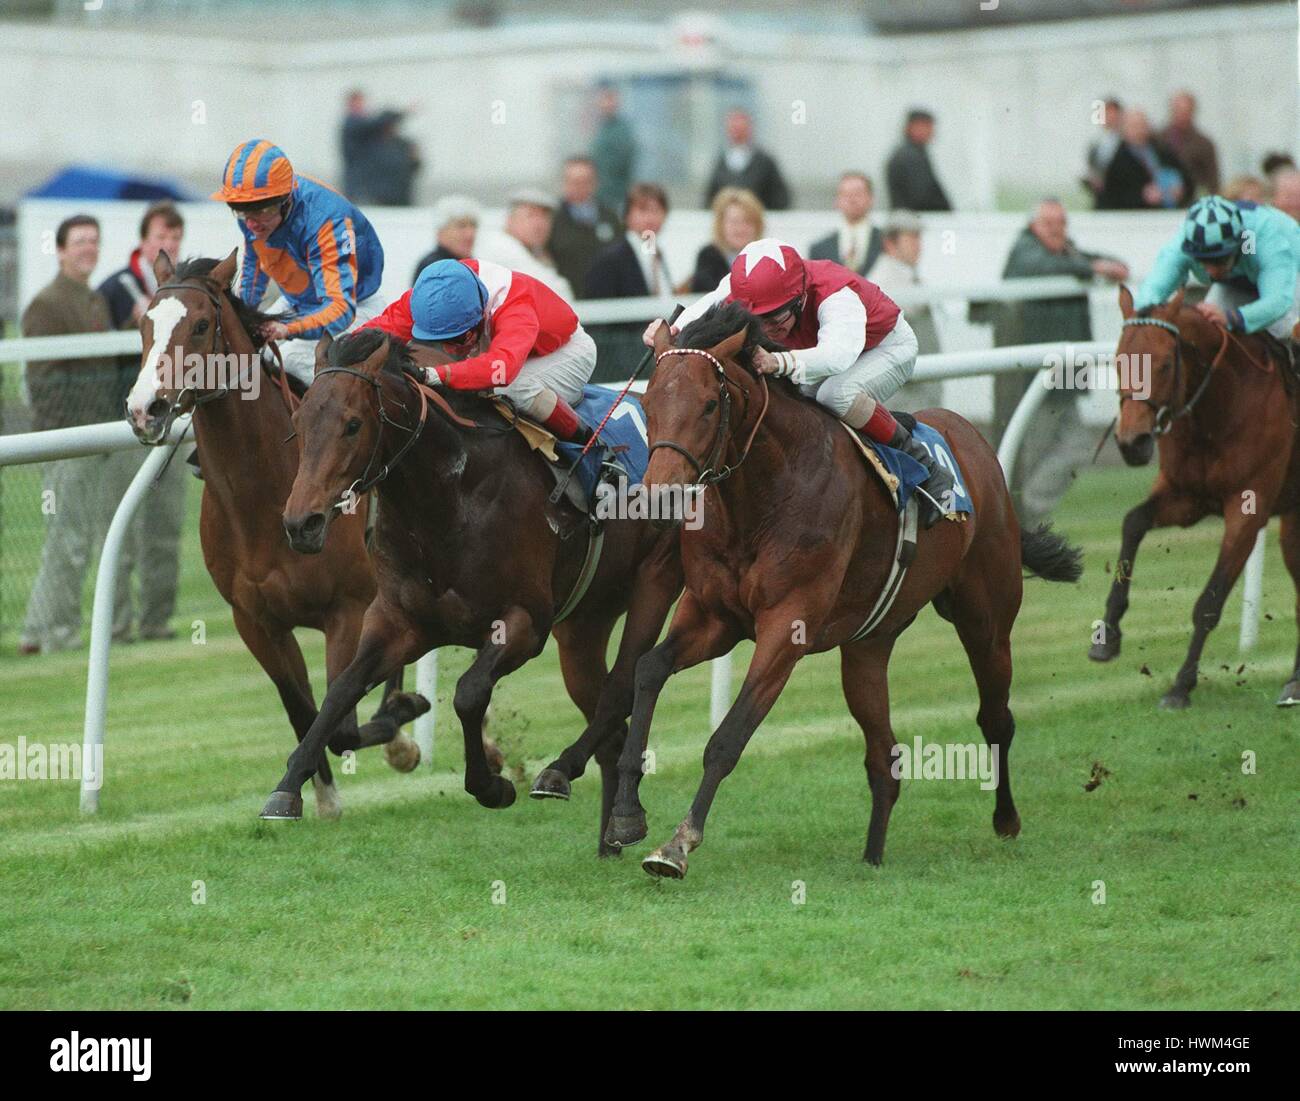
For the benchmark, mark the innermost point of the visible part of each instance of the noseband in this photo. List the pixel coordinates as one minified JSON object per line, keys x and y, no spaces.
{"x":710,"y":473}
{"x":1164,"y":418}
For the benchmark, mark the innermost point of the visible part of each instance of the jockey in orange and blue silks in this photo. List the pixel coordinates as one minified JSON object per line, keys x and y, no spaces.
{"x":321,"y":251}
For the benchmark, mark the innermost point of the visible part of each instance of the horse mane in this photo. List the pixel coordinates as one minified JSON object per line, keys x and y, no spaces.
{"x":356,"y":347}
{"x":725,"y":320}
{"x":200,"y":267}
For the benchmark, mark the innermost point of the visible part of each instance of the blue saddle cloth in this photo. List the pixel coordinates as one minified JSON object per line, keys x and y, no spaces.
{"x":623,"y":438}
{"x":911,"y":473}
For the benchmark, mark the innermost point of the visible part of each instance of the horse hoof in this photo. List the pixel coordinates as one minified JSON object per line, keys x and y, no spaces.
{"x":1103,"y":651}
{"x":666,"y":863}
{"x":1290,"y":696}
{"x":550,"y":784}
{"x":625,"y":829}
{"x":499,"y":795}
{"x":402,"y":753}
{"x":1007,"y":827}
{"x":283,"y":806}
{"x":1174,"y":700}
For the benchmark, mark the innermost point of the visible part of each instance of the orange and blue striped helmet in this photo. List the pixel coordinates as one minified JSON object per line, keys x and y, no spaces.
{"x":256,"y":170}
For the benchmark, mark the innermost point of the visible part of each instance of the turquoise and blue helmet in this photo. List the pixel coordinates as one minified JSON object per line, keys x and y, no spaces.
{"x":1213,"y":229}
{"x":447,"y":301}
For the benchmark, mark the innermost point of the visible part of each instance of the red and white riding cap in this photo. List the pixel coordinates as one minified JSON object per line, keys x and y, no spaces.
{"x":766,"y":275}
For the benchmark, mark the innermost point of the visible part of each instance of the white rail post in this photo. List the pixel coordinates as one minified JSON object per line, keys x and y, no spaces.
{"x":1252,"y":592}
{"x":101,"y":630}
{"x":719,"y":690}
{"x":426,"y":683}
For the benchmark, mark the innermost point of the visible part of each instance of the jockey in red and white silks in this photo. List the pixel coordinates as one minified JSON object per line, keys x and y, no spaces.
{"x":849,"y":345}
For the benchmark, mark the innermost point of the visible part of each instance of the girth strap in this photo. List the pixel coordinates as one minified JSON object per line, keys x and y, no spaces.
{"x":595,"y":542}
{"x":904,"y":553}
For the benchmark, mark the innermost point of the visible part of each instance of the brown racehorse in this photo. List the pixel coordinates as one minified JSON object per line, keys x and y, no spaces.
{"x":468,"y":553}
{"x":1226,"y":428}
{"x":249,"y":464}
{"x":796,"y":544}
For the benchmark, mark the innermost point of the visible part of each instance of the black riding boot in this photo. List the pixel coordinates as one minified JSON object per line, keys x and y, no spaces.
{"x":938,"y":481}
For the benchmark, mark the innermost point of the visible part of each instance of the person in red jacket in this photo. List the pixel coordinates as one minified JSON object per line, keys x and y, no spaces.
{"x":537,"y":354}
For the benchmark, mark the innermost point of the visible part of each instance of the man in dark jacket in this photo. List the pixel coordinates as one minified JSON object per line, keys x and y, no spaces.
{"x":1143,"y":174}
{"x":582,"y":225}
{"x":154,"y":544}
{"x":856,"y":243}
{"x":913,"y":184}
{"x":1193,"y":148}
{"x":613,"y":149}
{"x":1057,"y":442}
{"x":743,"y":164}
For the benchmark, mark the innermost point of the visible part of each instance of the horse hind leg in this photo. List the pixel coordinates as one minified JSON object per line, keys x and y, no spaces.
{"x":985,"y":608}
{"x":1290,"y":540}
{"x":864,"y":672}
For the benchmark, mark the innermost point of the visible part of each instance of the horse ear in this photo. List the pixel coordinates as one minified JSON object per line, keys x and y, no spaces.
{"x":224,"y":272}
{"x":163,"y":269}
{"x":322,"y":350}
{"x":730,"y":347}
{"x":1176,"y":303}
{"x":1125,"y":301}
{"x":377,"y":359}
{"x":663,"y":338}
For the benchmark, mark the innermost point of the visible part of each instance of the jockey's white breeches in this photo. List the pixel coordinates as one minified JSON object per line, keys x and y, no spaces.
{"x":879,"y":372}
{"x":1228,"y":297}
{"x":565,"y":371}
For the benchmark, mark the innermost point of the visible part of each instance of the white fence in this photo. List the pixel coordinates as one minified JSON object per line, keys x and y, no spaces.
{"x":104,"y":438}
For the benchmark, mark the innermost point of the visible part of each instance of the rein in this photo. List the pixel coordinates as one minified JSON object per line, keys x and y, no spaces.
{"x":710,"y":473}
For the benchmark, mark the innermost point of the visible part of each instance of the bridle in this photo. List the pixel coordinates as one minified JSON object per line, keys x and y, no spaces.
{"x":1164,"y":419}
{"x":368,"y":481}
{"x":710,"y":473}
{"x":218,"y":342}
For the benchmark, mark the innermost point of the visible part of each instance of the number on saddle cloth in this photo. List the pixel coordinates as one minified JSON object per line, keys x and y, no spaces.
{"x":911,"y":473}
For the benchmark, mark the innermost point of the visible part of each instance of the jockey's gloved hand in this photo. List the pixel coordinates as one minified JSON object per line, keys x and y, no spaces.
{"x":430,"y":376}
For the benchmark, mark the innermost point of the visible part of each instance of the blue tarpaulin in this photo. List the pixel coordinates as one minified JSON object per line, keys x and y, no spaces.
{"x":86,"y":182}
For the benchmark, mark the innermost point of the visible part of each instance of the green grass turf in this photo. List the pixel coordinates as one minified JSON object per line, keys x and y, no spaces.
{"x":393,"y":906}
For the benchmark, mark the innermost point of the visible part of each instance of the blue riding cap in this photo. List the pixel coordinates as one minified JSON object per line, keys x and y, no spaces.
{"x":1213,"y":229}
{"x":447,"y":300}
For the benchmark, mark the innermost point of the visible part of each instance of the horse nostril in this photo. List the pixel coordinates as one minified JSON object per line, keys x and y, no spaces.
{"x":156,"y":409}
{"x":313,"y":525}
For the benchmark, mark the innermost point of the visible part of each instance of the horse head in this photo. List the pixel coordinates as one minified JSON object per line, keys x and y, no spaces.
{"x":183,"y":338}
{"x":1152,"y":383}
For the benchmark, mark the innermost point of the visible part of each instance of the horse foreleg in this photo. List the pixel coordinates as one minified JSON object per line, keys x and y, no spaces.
{"x":774,"y":659}
{"x":1239,"y":531}
{"x":696,"y":635}
{"x":521,"y":639}
{"x":281,"y":658}
{"x":387,"y":643}
{"x":864,"y":672}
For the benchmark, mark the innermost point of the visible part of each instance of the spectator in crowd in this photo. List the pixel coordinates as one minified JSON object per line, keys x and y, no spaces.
{"x":856,"y":243}
{"x":895,"y":272}
{"x":613,"y":150}
{"x":743,"y":164}
{"x":1143,"y":174}
{"x":1057,"y":443}
{"x":1193,"y":149}
{"x":379,"y":165}
{"x":153,"y":548}
{"x":455,"y":223}
{"x":1249,"y":189}
{"x":583,"y":225}
{"x":913,"y":184}
{"x":1286,"y":193}
{"x":522,"y":247}
{"x":64,"y":393}
{"x":1274,"y":163}
{"x":737,"y":220}
{"x":634,"y":266}
{"x":1101,"y":151}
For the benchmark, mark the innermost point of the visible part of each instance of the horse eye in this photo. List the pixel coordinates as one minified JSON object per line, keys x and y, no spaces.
{"x":353,"y":427}
{"x":710,"y":406}
{"x":200,"y":327}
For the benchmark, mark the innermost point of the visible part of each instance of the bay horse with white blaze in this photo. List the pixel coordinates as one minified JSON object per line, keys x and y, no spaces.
{"x":249,"y":463}
{"x":796,"y":545}
{"x":1226,"y":429}
{"x":468,"y":552}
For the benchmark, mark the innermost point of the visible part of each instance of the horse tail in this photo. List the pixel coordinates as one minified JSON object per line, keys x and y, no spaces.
{"x":1048,"y":555}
